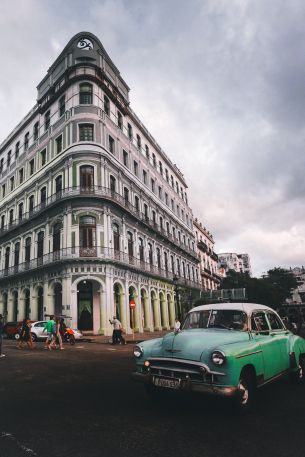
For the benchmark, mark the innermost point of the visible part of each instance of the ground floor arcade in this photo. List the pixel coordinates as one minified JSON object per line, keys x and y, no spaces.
{"x":90,"y":296}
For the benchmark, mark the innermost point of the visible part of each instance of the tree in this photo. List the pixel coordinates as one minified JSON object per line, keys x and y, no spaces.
{"x":271,"y":290}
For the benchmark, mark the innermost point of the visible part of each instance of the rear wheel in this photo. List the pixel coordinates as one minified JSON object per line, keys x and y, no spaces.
{"x":34,"y":337}
{"x":299,"y":375}
{"x":17,"y":336}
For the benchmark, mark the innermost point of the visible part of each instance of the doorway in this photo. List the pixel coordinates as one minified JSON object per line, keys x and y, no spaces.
{"x":85,"y":305}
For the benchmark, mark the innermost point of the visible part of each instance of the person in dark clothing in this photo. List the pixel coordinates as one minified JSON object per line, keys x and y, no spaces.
{"x":25,"y":335}
{"x":1,"y":335}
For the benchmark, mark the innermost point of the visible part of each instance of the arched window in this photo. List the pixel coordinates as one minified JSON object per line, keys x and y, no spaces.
{"x":106,"y":105}
{"x":137,"y":203}
{"x":11,"y":217}
{"x":16,"y":255}
{"x":141,"y":249}
{"x":150,"y":254}
{"x":7,"y":258}
{"x":20,"y":211}
{"x":116,"y":237}
{"x":178,"y":268}
{"x":31,"y":204}
{"x":43,"y":196}
{"x":58,"y":185}
{"x":27,"y":250}
{"x":87,"y":236}
{"x":126,"y":195}
{"x":120,"y":120}
{"x":85,"y":94}
{"x":165,"y":262}
{"x":56,"y":240}
{"x":130,"y":244}
{"x":40,"y":240}
{"x":112,"y":183}
{"x":86,"y":178}
{"x":158,"y":257}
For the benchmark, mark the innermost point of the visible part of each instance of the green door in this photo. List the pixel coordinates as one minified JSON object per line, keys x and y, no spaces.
{"x":272,"y":345}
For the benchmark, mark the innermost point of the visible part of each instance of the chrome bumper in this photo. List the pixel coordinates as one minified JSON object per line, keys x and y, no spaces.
{"x":189,"y":386}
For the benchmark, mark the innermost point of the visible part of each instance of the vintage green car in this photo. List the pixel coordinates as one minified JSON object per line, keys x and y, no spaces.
{"x":227,"y":349}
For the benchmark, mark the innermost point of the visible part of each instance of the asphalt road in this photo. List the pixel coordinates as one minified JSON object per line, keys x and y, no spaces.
{"x":81,"y":402}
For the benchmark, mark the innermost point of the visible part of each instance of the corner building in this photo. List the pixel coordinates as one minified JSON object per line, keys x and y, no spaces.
{"x":93,"y":213}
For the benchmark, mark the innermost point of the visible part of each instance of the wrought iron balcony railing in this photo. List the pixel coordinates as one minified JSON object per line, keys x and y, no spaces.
{"x":99,"y":192}
{"x":97,"y":253}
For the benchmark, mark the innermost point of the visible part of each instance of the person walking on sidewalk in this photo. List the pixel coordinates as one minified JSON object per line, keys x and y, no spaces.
{"x":1,"y":335}
{"x":117,"y":337}
{"x":25,"y":335}
{"x":49,"y":328}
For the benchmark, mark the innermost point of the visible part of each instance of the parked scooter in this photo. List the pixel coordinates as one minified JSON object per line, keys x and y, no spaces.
{"x":69,"y":336}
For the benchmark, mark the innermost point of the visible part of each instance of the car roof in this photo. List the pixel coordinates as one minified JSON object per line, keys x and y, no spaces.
{"x":246,"y":307}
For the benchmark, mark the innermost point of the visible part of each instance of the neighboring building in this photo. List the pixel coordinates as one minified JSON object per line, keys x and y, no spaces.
{"x":237,"y":262}
{"x":210,"y":276}
{"x":92,"y":211}
{"x":298,"y":295}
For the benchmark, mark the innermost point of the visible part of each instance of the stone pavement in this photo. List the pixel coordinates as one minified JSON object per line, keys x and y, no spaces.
{"x":138,"y":337}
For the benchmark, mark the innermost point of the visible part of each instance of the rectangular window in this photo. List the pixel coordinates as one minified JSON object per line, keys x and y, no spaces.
{"x":36,"y":131}
{"x":172,"y":203}
{"x":154,"y":161}
{"x":111,"y":145}
{"x":135,"y":167}
{"x":47,"y":121}
{"x":160,"y":192}
{"x":147,"y":151}
{"x":130,"y":134}
{"x":3,"y":190}
{"x":106,"y":105}
{"x":166,"y":174}
{"x":9,"y":156}
{"x":62,"y":105}
{"x":21,"y":176}
{"x":17,"y":150}
{"x":58,"y":143}
{"x":86,"y":132}
{"x":26,"y":141}
{"x":1,"y":165}
{"x":120,"y":121}
{"x":12,"y":181}
{"x":166,"y":199}
{"x":160,"y":168}
{"x":152,"y":185}
{"x":125,"y":158}
{"x":144,"y":177}
{"x":43,"y":157}
{"x":139,"y":142}
{"x":31,"y":164}
{"x":85,"y":94}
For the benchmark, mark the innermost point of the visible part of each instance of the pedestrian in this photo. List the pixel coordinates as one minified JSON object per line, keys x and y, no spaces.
{"x":49,"y":328}
{"x":117,"y":337}
{"x":25,"y":335}
{"x":57,"y":339}
{"x":1,"y":335}
{"x":177,"y":325}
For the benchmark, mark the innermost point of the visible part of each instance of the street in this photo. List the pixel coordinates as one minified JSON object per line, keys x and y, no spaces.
{"x":81,"y":402}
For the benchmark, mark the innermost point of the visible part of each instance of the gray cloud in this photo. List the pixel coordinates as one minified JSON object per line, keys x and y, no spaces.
{"x":219,"y":84}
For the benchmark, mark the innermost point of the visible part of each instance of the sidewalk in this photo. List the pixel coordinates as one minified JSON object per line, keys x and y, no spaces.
{"x":138,"y":337}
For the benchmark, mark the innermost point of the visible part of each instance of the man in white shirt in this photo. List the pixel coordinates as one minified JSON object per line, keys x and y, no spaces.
{"x":177,"y":325}
{"x":117,"y":337}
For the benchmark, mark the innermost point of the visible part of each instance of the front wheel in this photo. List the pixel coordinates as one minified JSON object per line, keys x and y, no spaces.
{"x":244,"y":400}
{"x":33,"y":337}
{"x":17,"y":336}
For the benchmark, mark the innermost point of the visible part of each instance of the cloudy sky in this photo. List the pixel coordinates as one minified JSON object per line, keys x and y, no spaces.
{"x":219,"y":83}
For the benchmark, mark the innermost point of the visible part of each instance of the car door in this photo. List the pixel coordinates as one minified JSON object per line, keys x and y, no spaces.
{"x":37,"y":328}
{"x":281,"y":336}
{"x":269,"y":343}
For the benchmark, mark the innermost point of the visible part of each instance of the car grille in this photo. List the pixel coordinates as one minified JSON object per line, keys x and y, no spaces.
{"x":182,"y":370}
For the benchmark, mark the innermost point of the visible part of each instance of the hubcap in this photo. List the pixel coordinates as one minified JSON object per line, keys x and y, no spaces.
{"x":244,"y":392}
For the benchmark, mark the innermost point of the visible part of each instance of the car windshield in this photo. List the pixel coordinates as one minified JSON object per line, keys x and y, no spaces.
{"x":230,"y":319}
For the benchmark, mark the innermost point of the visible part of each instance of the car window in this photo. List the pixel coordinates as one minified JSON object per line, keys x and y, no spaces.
{"x":192,"y":320}
{"x":259,"y":322}
{"x":40,"y":324}
{"x":228,"y":318}
{"x":274,"y":321}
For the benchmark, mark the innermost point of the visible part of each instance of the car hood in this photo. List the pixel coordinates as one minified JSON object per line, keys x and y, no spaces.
{"x":196,"y":343}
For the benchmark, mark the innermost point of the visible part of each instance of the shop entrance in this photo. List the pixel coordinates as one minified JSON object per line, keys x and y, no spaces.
{"x":85,"y":305}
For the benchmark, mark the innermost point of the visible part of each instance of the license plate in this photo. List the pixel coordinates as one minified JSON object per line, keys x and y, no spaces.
{"x":168,"y":383}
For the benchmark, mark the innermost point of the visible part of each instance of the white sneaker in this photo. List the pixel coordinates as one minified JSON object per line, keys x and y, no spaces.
{"x":2,"y":355}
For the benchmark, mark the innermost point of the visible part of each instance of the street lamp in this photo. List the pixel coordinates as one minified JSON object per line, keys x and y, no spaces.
{"x":177,"y":305}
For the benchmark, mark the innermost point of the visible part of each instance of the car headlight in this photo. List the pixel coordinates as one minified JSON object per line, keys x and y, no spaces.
{"x":218,"y":357}
{"x":137,"y":351}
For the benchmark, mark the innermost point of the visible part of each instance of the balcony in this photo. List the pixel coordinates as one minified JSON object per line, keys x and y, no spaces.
{"x":98,"y":192}
{"x":98,"y":254}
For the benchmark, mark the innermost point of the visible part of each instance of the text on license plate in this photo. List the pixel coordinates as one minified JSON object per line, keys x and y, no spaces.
{"x":169,"y":383}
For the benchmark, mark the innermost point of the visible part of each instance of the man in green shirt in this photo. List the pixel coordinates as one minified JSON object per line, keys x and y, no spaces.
{"x":49,"y":328}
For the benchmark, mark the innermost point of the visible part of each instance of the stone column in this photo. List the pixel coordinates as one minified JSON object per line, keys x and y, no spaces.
{"x":33,"y":303}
